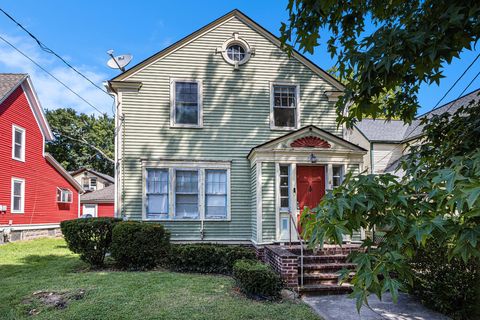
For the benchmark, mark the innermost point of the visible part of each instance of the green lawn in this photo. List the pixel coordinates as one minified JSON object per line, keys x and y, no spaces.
{"x":47,"y":265}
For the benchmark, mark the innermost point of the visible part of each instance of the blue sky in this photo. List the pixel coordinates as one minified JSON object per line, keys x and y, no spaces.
{"x":83,"y":31}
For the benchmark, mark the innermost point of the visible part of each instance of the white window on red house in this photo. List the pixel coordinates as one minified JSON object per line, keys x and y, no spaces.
{"x":18,"y":143}
{"x":64,"y":195}
{"x":18,"y":195}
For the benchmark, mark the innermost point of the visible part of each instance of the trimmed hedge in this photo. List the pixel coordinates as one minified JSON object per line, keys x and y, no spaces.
{"x":257,"y":279}
{"x":90,"y":238}
{"x":450,"y":287}
{"x":139,"y":245}
{"x":207,"y":258}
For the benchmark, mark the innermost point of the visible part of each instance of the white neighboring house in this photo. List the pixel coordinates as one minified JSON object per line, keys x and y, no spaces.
{"x":387,"y":141}
{"x":92,"y":180}
{"x":98,"y":201}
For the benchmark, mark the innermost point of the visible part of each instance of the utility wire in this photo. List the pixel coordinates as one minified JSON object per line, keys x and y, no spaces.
{"x":46,"y":71}
{"x":47,"y":49}
{"x":436,"y":105}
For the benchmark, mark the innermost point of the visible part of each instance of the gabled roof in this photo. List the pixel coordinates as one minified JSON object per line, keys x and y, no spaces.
{"x":98,"y":174}
{"x":63,"y":172}
{"x":245,"y":19}
{"x":396,"y":131}
{"x":9,"y":82}
{"x":99,"y":196}
{"x":308,"y":129}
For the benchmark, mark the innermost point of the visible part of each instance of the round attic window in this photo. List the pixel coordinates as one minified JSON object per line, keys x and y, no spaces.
{"x":236,"y":51}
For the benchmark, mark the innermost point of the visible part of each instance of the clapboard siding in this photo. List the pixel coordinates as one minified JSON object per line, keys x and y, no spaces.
{"x":385,"y":154}
{"x":268,"y":202}
{"x":236,"y":111}
{"x":253,"y":202}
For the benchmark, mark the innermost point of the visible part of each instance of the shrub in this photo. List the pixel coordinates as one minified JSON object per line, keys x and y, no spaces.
{"x":90,"y":238}
{"x":207,"y":258}
{"x":139,"y":245}
{"x":450,"y":287}
{"x":257,"y":279}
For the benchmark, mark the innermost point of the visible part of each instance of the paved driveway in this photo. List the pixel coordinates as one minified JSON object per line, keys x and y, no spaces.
{"x":340,"y":307}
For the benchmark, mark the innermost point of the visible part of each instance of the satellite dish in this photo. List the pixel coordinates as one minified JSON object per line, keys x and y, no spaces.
{"x":118,"y":62}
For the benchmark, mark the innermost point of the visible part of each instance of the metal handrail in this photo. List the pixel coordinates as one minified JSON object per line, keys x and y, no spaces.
{"x":301,"y":246}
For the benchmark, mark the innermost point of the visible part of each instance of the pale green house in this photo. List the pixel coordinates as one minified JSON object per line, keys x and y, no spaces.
{"x":222,"y":136}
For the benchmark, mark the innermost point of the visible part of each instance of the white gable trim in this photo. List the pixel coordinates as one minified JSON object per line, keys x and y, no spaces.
{"x":212,"y":26}
{"x":37,"y":110}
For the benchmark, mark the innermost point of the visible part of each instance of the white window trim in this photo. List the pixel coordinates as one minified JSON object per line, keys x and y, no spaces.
{"x":172,"y":166}
{"x":272,"y":102}
{"x":67,"y":190}
{"x":173,"y":123}
{"x":95,"y":214}
{"x":174,"y":192}
{"x":14,"y":128}
{"x":22,"y":203}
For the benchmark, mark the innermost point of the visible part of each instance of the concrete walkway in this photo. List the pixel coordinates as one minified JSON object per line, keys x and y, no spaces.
{"x":340,"y":307}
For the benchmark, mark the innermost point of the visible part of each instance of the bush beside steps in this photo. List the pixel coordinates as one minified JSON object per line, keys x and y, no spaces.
{"x":257,"y":280}
{"x":207,"y":258}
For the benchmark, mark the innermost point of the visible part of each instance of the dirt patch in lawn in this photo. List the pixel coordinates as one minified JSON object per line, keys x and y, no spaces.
{"x":51,"y":299}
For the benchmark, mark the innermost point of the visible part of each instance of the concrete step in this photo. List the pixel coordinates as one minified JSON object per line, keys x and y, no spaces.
{"x":325,"y":289}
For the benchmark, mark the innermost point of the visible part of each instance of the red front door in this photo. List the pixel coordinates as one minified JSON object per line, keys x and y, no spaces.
{"x":310,"y":185}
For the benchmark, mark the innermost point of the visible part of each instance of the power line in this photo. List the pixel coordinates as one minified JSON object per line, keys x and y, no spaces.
{"x":47,"y":49}
{"x":46,"y":71}
{"x":436,"y":105}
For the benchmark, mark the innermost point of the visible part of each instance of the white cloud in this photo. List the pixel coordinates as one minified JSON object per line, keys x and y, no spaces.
{"x":51,"y":93}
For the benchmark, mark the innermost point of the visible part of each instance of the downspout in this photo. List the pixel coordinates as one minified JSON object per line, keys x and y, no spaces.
{"x":371,"y":157}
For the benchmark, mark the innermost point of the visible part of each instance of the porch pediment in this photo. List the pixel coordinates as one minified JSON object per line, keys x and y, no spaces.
{"x":307,"y":140}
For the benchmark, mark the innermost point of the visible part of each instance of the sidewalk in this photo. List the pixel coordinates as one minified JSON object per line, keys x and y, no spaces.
{"x":340,"y":307}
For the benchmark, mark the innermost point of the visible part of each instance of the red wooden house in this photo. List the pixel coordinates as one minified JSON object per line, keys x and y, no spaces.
{"x":36,"y":193}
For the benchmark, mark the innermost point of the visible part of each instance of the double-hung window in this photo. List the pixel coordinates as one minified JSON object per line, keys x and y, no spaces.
{"x":216,"y":194}
{"x":18,"y":143}
{"x":157,"y":193}
{"x":337,"y":175}
{"x":186,"y":194}
{"x":284,"y":106}
{"x":186,"y":103}
{"x":18,"y":195}
{"x":177,"y":190}
{"x":284,"y":188}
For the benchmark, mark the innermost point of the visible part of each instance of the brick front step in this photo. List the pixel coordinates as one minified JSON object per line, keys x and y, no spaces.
{"x":322,"y":278}
{"x":326,"y":289}
{"x":336,"y":258}
{"x":330,"y":267}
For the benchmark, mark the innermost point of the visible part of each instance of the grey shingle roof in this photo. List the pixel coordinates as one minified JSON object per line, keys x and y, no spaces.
{"x":416,"y":128}
{"x":381,"y":130}
{"x":8,"y":81}
{"x":102,"y":195}
{"x":397,"y":131}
